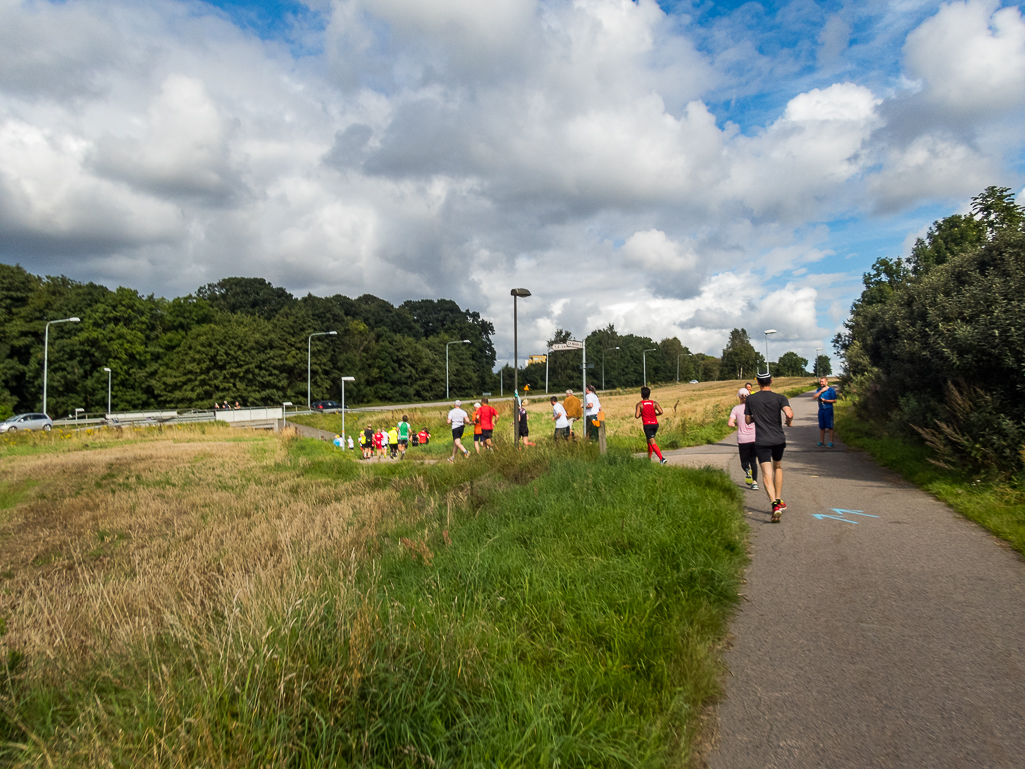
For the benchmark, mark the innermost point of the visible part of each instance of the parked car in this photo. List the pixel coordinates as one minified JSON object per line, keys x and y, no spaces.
{"x":326,"y":406}
{"x":694,"y":381}
{"x":26,"y":422}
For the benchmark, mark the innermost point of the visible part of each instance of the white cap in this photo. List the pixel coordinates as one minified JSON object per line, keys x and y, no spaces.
{"x":459,"y":403}
{"x":476,"y":405}
{"x":742,"y":392}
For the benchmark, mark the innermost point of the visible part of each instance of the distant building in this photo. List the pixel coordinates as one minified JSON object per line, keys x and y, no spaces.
{"x":536,"y":359}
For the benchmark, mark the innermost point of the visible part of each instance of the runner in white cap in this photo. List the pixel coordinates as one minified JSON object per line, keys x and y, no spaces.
{"x":457,"y":418}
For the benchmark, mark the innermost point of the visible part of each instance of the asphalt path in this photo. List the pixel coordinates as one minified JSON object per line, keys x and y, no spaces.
{"x":893,"y":636}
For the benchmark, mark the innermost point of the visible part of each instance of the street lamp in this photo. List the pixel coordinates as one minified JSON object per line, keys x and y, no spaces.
{"x":108,"y":389}
{"x":767,"y":332}
{"x":46,"y":350}
{"x":344,"y":380}
{"x":284,"y":414}
{"x":516,"y":293}
{"x":501,"y":380}
{"x":458,"y":341}
{"x":678,"y":367}
{"x":644,"y":363}
{"x":309,"y":349}
{"x":603,"y":365}
{"x":817,"y":351}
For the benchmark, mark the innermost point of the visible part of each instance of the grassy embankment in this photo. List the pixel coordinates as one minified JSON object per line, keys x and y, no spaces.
{"x":694,"y":415}
{"x":200,"y":597}
{"x":998,"y":506}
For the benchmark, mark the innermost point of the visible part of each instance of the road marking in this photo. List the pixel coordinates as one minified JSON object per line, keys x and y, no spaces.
{"x":839,"y":515}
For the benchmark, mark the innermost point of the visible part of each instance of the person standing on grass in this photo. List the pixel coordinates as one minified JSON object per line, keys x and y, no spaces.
{"x":350,"y":443}
{"x":457,"y":418}
{"x":524,"y":430}
{"x":648,"y":411}
{"x":404,"y":432}
{"x":591,"y":408}
{"x":487,"y":416}
{"x":573,"y":410}
{"x":826,"y":396}
{"x":762,"y":409}
{"x":745,"y":441}
{"x":561,"y":420}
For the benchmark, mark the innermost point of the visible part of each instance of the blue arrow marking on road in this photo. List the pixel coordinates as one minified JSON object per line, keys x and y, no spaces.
{"x":854,"y":512}
{"x":820,"y":516}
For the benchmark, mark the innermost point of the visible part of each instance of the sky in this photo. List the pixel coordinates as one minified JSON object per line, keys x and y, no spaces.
{"x":674,"y":169}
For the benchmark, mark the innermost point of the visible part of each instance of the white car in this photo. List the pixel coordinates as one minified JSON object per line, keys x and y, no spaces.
{"x":26,"y":422}
{"x":694,"y":381}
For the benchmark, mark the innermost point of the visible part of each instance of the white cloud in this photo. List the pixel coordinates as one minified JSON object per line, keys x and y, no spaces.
{"x":971,"y":58}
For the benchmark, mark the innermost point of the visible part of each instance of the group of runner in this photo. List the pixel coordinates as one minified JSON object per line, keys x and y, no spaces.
{"x":483,"y":422}
{"x":760,"y":437}
{"x":392,"y":442}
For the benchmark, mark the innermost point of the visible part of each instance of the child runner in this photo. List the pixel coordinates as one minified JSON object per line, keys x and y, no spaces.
{"x":423,"y":437}
{"x":524,"y":431}
{"x":745,"y":440}
{"x":404,"y":432}
{"x":457,"y":418}
{"x":478,"y":431}
{"x":648,"y":411}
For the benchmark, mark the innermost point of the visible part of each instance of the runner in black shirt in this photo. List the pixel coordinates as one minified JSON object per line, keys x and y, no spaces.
{"x":763,"y":409}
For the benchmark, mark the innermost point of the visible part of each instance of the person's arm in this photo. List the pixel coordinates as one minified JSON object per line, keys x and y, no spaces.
{"x":658,"y":409}
{"x":789,"y":413}
{"x":732,"y":421}
{"x":748,"y":419}
{"x":637,"y":410}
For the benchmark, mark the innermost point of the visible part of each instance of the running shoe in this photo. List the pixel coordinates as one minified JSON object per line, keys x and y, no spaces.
{"x":830,"y":445}
{"x":782,"y":504}
{"x":451,"y":460}
{"x":820,"y":443}
{"x":754,"y":486}
{"x":663,"y":461}
{"x":777,"y":511}
{"x":748,"y":479}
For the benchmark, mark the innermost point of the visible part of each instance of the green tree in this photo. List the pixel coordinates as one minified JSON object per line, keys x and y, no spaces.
{"x":823,"y":366}
{"x":790,"y":364}
{"x":249,"y":296}
{"x":739,"y":358}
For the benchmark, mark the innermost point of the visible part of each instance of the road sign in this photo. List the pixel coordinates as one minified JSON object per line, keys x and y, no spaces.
{"x":570,"y":345}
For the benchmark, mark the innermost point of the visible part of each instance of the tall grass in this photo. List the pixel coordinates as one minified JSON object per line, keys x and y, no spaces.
{"x":998,"y":505}
{"x":277,"y":604}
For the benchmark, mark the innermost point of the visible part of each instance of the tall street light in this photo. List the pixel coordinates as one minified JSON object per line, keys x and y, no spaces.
{"x":678,"y":367}
{"x":516,"y":293}
{"x":604,"y":349}
{"x":309,"y":352}
{"x":344,"y":380}
{"x":458,"y":341}
{"x":644,"y":363}
{"x":105,"y":368}
{"x":767,"y":332}
{"x":501,"y":380}
{"x":46,"y":350}
{"x":817,"y":351}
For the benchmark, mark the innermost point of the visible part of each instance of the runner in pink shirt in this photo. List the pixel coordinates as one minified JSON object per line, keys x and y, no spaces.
{"x":745,"y":440}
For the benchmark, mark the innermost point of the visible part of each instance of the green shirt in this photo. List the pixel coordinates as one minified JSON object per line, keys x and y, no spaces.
{"x":403,"y":431}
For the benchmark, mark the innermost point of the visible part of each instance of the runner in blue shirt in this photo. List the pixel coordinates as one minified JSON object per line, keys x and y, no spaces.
{"x":826,"y":396}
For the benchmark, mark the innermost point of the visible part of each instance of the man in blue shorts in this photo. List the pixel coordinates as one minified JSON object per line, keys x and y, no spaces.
{"x":826,"y":396}
{"x":762,"y":409}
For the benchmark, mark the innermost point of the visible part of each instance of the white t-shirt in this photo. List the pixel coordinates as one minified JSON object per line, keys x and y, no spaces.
{"x":593,"y":404}
{"x":458,"y":417}
{"x":350,"y":442}
{"x":559,"y":411}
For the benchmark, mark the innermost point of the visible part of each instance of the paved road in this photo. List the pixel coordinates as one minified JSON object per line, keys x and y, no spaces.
{"x":891,"y":641}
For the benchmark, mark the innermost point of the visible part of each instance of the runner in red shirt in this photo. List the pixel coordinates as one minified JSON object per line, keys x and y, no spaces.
{"x":487,"y":415}
{"x":423,"y":437}
{"x":648,"y":411}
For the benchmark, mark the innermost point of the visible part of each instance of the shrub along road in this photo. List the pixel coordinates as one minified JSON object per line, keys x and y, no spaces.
{"x":892,"y":636}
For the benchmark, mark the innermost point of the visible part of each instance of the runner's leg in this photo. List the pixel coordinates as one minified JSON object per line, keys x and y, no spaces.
{"x":768,"y":481}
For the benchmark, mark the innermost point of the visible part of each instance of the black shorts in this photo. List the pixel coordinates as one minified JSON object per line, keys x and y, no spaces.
{"x":485,"y":435}
{"x":403,"y":442}
{"x":524,"y":431}
{"x":766,"y":454}
{"x":562,"y":432}
{"x":649,"y":431}
{"x":457,"y":432}
{"x":477,"y":437}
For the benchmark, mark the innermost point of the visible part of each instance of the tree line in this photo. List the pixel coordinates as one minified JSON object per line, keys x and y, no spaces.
{"x":935,"y":344}
{"x":240,"y":339}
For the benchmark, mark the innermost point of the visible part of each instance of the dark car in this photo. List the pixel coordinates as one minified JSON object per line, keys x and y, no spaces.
{"x":326,"y":406}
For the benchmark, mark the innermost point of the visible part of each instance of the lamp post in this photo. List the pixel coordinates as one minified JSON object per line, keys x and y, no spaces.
{"x":501,"y":380}
{"x":644,"y":363}
{"x":516,"y":294}
{"x":817,"y":351}
{"x":344,"y":380}
{"x":603,"y":351}
{"x":309,"y":352}
{"x":767,"y":332}
{"x":284,"y":414}
{"x":105,"y":368}
{"x":457,"y":341}
{"x":46,"y":350}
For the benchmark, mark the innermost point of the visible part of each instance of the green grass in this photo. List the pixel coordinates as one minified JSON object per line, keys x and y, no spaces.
{"x":521,"y":609}
{"x":999,"y":507}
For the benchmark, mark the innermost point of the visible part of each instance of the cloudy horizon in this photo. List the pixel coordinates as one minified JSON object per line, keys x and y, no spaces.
{"x":675,"y":168}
